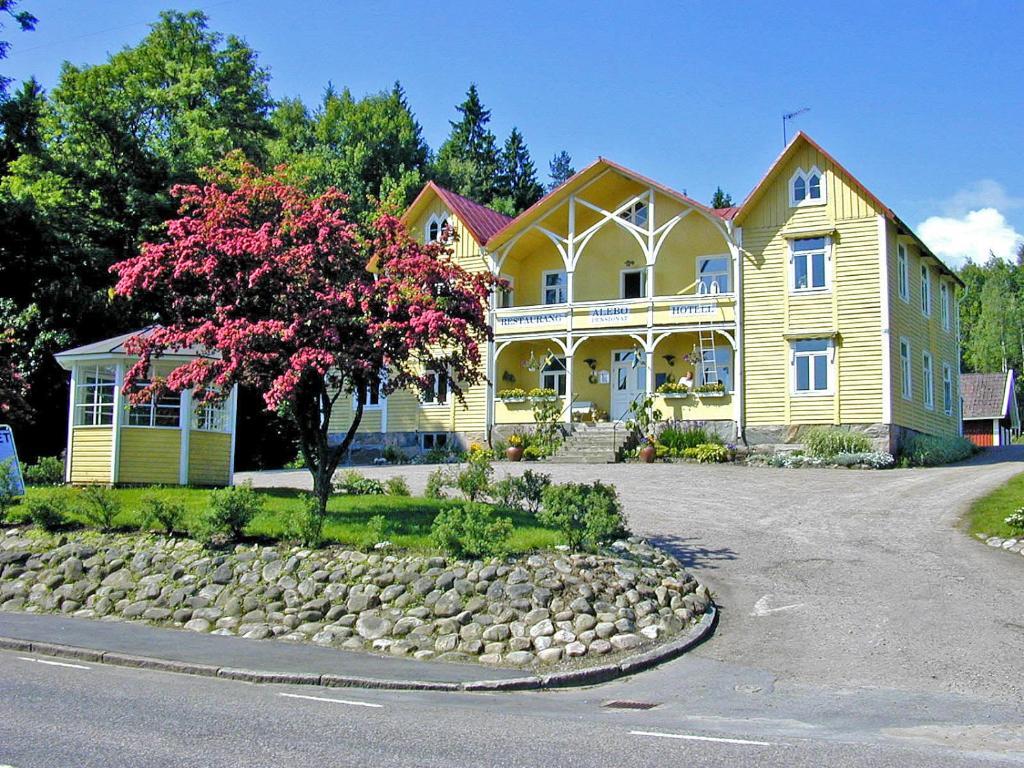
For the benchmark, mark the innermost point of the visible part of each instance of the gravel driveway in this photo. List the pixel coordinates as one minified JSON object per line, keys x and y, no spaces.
{"x":830,"y":577}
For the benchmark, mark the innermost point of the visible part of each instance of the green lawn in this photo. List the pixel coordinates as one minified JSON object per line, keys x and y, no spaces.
{"x":987,"y":514}
{"x":409,"y":518}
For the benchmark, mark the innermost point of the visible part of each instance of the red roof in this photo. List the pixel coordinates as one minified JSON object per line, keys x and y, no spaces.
{"x":480,"y":220}
{"x":726,"y":213}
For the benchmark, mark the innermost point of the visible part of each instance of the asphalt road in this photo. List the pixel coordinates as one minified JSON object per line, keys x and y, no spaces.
{"x":859,"y":628}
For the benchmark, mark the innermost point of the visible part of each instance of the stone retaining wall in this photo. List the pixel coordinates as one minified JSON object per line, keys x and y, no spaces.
{"x":545,"y":608}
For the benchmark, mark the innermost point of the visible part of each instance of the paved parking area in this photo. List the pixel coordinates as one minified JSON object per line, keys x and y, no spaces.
{"x":830,"y":577}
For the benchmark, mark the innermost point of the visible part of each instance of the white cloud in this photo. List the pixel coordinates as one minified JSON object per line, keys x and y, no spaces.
{"x":971,"y":235}
{"x":985,"y":193}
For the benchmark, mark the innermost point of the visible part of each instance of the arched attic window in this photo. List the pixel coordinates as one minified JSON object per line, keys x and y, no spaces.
{"x":807,"y":187}
{"x":436,"y":227}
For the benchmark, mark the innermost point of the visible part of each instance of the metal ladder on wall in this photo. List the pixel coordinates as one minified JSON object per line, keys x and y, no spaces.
{"x":709,"y":362}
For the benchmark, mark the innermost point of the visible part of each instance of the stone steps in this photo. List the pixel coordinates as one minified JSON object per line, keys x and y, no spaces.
{"x":592,"y":444}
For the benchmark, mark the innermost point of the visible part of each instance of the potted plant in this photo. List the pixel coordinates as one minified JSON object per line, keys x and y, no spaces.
{"x":670,"y":390}
{"x":516,"y":447}
{"x":649,"y":450}
{"x":512,"y":395}
{"x":716,"y":389}
{"x":542,"y":394}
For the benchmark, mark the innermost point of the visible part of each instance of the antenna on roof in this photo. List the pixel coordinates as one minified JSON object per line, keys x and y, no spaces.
{"x":786,"y":117}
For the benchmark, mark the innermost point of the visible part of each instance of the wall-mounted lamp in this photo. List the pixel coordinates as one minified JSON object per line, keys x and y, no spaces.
{"x":670,"y":359}
{"x":591,"y":363}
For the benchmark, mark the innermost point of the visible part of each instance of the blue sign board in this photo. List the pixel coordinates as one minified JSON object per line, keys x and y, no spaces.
{"x":8,"y":453}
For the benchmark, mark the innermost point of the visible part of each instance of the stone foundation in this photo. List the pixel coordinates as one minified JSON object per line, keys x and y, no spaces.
{"x":884,"y":437}
{"x":369,"y":446}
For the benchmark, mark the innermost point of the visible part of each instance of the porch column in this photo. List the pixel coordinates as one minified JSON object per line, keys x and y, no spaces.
{"x":115,"y":435}
{"x":568,"y":384}
{"x":71,"y":423}
{"x":649,"y":359}
{"x":185,"y":424}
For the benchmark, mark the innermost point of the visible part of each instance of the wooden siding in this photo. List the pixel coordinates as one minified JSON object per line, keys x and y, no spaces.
{"x":149,"y":456}
{"x":90,"y":454}
{"x":209,"y":458}
{"x":925,"y":334}
{"x":851,"y":310}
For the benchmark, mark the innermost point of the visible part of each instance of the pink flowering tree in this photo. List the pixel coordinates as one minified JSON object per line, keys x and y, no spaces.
{"x":13,"y":385}
{"x":304,"y":306}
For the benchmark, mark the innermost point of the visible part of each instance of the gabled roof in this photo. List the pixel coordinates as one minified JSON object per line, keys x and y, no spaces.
{"x":114,"y":347}
{"x":553,"y":198}
{"x":987,"y":395}
{"x":480,"y":220}
{"x":787,"y":153}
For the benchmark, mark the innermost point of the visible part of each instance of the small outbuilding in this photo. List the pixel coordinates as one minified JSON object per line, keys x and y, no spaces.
{"x":990,"y":412}
{"x":166,"y":441}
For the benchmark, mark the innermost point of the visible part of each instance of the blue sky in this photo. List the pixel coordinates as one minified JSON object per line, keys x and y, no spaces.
{"x":923,"y":101}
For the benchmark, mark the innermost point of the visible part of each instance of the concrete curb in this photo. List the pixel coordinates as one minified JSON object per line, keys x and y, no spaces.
{"x":572,"y":678}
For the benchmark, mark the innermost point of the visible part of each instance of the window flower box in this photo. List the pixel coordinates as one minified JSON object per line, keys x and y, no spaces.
{"x":542,"y":395}
{"x":513,"y":395}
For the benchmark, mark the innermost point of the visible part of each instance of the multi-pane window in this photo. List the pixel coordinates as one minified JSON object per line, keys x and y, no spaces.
{"x":553,"y":375}
{"x":811,"y":365}
{"x":716,"y":367}
{"x":211,"y":417}
{"x":713,"y":274}
{"x":810,"y":260}
{"x":929,"y":381}
{"x":636,"y":214}
{"x":94,"y":398}
{"x":807,"y":187}
{"x":947,"y":389}
{"x":903,"y":271}
{"x":554,"y":287}
{"x":944,"y":312}
{"x":634,"y":283}
{"x":437,"y":389}
{"x":162,"y":410}
{"x":906,"y":375}
{"x":926,"y":291}
{"x":436,"y":228}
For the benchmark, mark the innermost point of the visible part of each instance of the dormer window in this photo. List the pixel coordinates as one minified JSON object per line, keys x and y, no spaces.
{"x":807,"y":187}
{"x":636,"y":214}
{"x":436,"y":227}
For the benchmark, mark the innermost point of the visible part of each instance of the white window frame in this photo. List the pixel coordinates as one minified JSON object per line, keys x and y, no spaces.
{"x":826,"y":252}
{"x":944,"y":312}
{"x":91,"y":408}
{"x":903,"y":272}
{"x":829,"y":353}
{"x":507,"y":293}
{"x":441,"y":221}
{"x":926,"y":291}
{"x":148,"y":410}
{"x":563,"y":287}
{"x":947,"y":389}
{"x":368,"y":405}
{"x":433,"y":438}
{"x":928,"y":376}
{"x":720,"y":352}
{"x":642,"y":271}
{"x":906,"y":369}
{"x":212,"y":417}
{"x":555,"y":379}
{"x":431,"y":400}
{"x":716,"y":276}
{"x":805,"y":176}
{"x":632,"y":214}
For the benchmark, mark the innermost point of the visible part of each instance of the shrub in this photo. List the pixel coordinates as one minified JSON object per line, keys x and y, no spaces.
{"x":678,"y":440}
{"x":49,"y":470}
{"x":873,"y":459}
{"x":524,"y":492}
{"x":534,"y":451}
{"x":711,"y":453}
{"x":475,"y":479}
{"x":353,"y":483}
{"x":100,"y":507}
{"x":437,"y":481}
{"x":826,"y":442}
{"x":157,"y":512}
{"x":7,"y":488}
{"x":299,"y":462}
{"x":394,"y":455}
{"x":50,"y":511}
{"x":397,"y":486}
{"x":586,"y":515}
{"x":471,"y":530}
{"x":305,"y":523}
{"x":377,"y":530}
{"x":439,"y":454}
{"x":1016,"y":520}
{"x":930,"y":450}
{"x":230,"y":511}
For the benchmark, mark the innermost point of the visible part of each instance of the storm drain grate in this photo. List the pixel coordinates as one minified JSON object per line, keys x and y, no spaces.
{"x":628,"y":704}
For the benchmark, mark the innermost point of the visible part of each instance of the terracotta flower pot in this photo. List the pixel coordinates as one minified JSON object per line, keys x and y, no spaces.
{"x":648,"y":454}
{"x":514,"y":453}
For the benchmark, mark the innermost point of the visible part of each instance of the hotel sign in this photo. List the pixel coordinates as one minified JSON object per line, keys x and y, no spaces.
{"x":612,"y":314}
{"x":678,"y":310}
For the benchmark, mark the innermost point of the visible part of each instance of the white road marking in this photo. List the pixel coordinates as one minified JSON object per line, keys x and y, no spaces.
{"x":691,"y":737}
{"x":53,"y":664}
{"x":761,"y":607}
{"x":332,"y":701}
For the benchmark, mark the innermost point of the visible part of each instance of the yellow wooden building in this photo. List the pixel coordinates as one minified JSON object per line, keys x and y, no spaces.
{"x":168,"y":441}
{"x":811,"y":303}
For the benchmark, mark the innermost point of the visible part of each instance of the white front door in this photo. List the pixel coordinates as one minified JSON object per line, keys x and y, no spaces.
{"x":629,"y":381}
